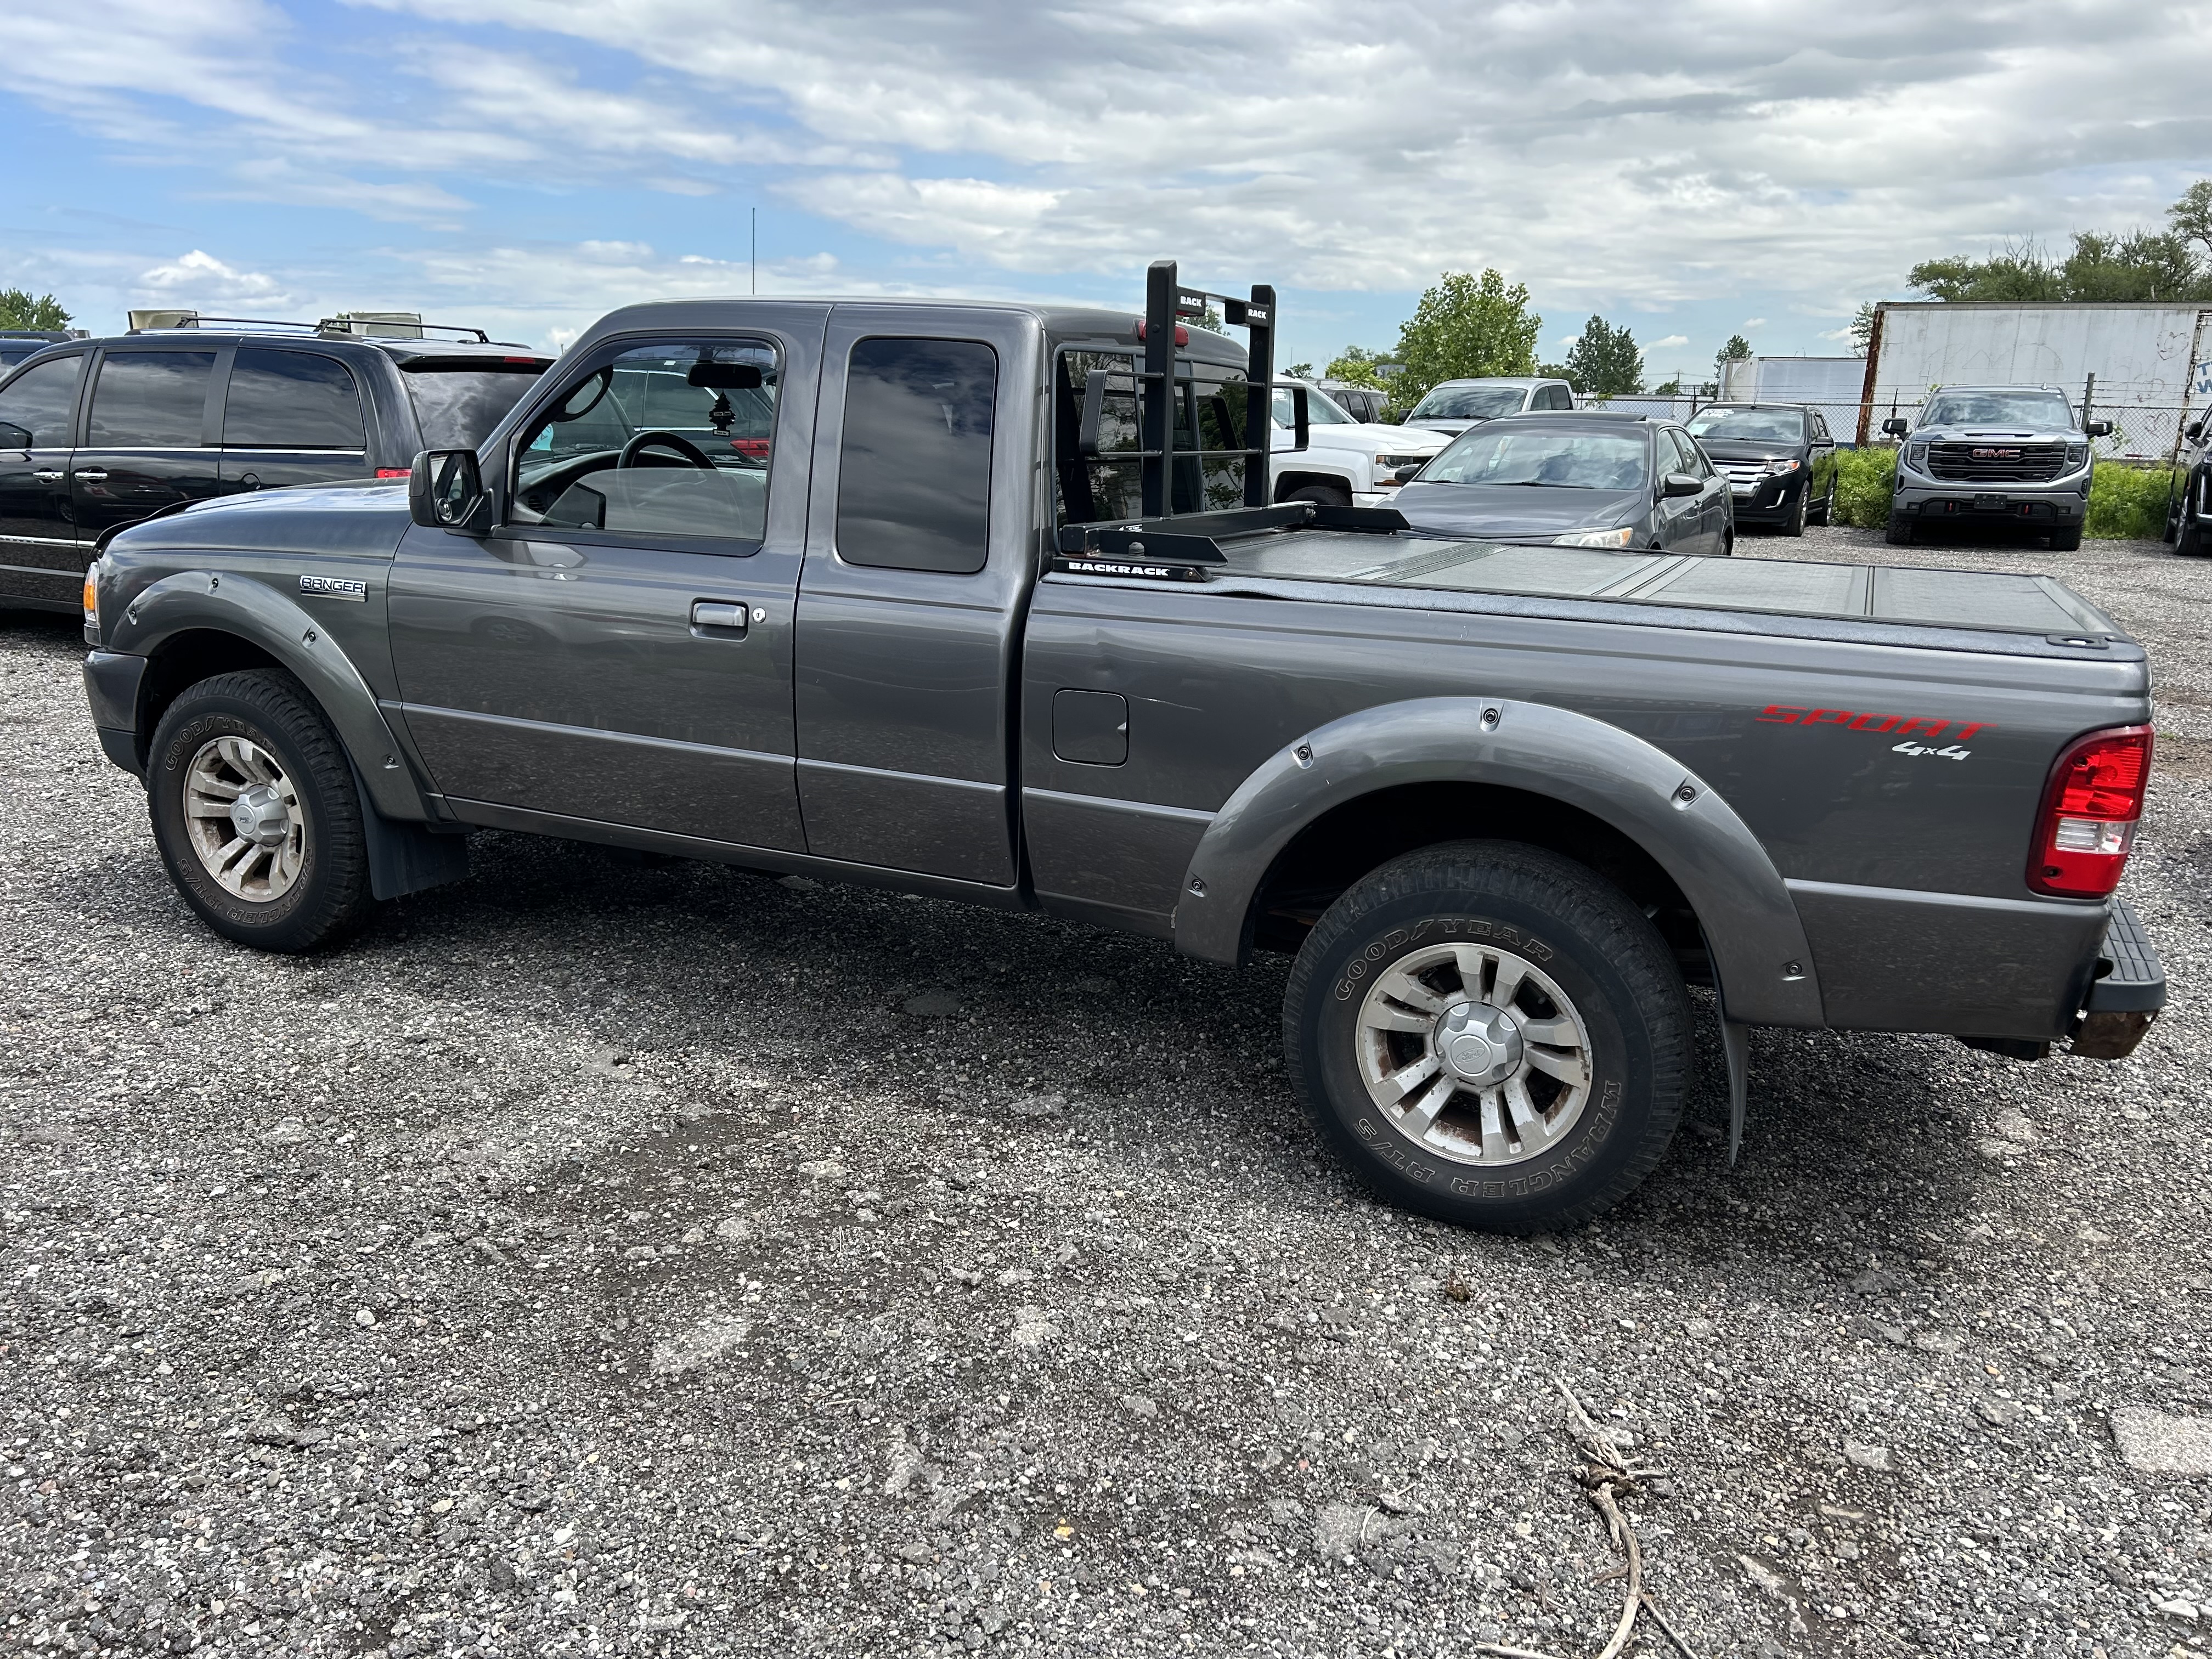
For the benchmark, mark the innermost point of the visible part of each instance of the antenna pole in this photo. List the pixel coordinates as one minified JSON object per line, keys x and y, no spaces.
{"x":756,"y":251}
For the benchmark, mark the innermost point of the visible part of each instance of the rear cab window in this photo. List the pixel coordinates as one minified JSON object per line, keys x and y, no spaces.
{"x":1211,"y":404}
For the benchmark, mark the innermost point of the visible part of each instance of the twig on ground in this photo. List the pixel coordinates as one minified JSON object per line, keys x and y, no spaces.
{"x":1509,"y":1653}
{"x":1667,"y":1629}
{"x":1607,"y":1477}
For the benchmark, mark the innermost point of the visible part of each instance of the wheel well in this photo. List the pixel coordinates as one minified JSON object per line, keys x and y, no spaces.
{"x":1291,"y":481}
{"x":1336,"y":849}
{"x":184,"y":660}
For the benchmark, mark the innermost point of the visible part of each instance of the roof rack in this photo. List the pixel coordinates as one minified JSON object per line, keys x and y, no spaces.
{"x":358,"y":325}
{"x":1167,"y":302}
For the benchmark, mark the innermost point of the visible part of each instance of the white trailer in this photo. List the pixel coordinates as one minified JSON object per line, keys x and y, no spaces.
{"x":2148,"y":360}
{"x":1823,"y":380}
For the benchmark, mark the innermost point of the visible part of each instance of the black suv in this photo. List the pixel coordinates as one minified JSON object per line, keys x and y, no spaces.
{"x":97,"y":434}
{"x":1779,"y":460}
{"x":17,"y":344}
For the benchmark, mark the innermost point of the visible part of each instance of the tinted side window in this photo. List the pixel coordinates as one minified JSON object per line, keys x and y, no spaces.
{"x":914,"y":472}
{"x":292,"y":400}
{"x":151,"y":399}
{"x":1562,"y":397}
{"x":40,"y":400}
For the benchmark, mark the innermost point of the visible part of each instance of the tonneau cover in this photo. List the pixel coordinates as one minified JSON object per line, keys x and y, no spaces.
{"x":1979,"y":599}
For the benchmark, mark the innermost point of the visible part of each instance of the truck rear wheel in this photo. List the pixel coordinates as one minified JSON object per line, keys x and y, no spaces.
{"x":1490,"y":1034}
{"x":256,"y":814}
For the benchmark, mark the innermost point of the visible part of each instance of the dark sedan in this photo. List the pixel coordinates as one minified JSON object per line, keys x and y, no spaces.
{"x":1588,"y":479}
{"x":1778,"y":458}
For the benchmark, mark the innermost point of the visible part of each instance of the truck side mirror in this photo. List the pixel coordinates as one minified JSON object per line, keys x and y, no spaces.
{"x":1407,"y":474}
{"x":446,"y":491}
{"x":2099,"y":429}
{"x":1895,"y":426}
{"x":2193,"y":431}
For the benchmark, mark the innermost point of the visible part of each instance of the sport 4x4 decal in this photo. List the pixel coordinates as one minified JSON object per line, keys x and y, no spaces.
{"x":1901,"y":725}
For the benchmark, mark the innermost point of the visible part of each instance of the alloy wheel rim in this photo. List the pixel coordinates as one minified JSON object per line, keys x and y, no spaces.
{"x":1474,"y":1053}
{"x":243,"y":816}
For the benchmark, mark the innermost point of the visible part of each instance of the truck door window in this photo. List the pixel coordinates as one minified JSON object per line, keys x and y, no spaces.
{"x":291,"y":400}
{"x":668,"y":439}
{"x":151,"y":399}
{"x":914,"y":467}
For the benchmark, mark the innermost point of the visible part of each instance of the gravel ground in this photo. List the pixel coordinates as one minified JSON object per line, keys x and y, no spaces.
{"x":606,"y":1257}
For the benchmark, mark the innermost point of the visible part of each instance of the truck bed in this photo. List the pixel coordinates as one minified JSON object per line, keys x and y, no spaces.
{"x":1975,"y":599}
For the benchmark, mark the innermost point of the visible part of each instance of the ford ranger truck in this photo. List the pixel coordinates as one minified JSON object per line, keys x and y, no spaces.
{"x":989,"y":602}
{"x":2002,"y":455}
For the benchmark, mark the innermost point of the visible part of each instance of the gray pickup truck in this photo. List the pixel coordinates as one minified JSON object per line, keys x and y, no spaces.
{"x":989,"y":602}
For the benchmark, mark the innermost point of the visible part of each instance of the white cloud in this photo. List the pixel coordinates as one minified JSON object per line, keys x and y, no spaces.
{"x":1754,"y":322}
{"x":1669,"y":343}
{"x":205,"y":278}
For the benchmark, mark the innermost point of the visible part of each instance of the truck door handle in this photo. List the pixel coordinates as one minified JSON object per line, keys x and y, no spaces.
{"x":47,"y":475}
{"x":93,"y":475}
{"x":722,"y":618}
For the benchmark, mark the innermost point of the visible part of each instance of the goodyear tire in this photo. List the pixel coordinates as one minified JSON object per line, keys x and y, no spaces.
{"x":1490,"y":1034}
{"x":256,"y":814}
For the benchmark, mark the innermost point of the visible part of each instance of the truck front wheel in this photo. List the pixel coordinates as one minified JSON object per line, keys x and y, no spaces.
{"x":2067,"y":540}
{"x":256,"y":814}
{"x":1490,"y":1034}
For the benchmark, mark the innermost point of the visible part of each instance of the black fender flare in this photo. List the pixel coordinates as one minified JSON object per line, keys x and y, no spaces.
{"x":228,"y":603}
{"x":1761,"y":958}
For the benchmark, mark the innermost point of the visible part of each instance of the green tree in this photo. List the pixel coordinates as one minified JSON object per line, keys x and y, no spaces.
{"x":1862,"y":329}
{"x":2192,"y":215}
{"x":2138,"y":264}
{"x":1465,"y":327}
{"x":1300,"y":371}
{"x":1605,"y":361}
{"x":1356,"y":365}
{"x":1737,"y":351}
{"x":1668,"y":388}
{"x":19,"y":310}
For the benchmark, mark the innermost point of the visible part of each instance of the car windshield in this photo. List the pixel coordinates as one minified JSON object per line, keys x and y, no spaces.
{"x":1551,"y":458}
{"x":1469,"y":403}
{"x":1781,"y":426}
{"x":2036,"y":410}
{"x":1319,"y":410}
{"x":457,"y":407}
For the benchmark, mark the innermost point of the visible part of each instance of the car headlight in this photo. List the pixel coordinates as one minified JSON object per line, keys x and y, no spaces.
{"x":1392,"y":463}
{"x":1620,"y":537}
{"x":1916,"y":457}
{"x":1783,"y":463}
{"x":2077,"y":455}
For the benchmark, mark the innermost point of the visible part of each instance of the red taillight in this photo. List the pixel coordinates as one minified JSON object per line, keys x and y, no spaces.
{"x":395,"y":472}
{"x":2090,"y":808}
{"x":753,"y":449}
{"x":1183,"y":334}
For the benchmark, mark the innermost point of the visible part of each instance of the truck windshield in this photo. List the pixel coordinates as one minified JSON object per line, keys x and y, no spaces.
{"x":457,"y":408}
{"x":2041,"y":411}
{"x":1469,"y":403}
{"x":1553,"y":459}
{"x":1780,"y":426}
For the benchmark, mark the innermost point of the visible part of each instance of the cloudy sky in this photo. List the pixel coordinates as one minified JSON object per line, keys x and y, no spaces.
{"x":1690,"y":170}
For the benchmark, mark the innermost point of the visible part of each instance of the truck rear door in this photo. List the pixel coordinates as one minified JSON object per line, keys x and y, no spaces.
{"x":920,"y":546}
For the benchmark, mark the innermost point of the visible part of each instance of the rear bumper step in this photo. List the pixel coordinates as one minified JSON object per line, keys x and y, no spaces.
{"x":2127,"y":994}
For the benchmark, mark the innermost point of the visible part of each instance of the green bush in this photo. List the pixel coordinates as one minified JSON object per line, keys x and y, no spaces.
{"x":2129,"y":503}
{"x":1863,"y":480}
{"x":2126,"y":503}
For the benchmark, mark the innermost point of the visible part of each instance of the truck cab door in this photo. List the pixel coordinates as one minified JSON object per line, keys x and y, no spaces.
{"x":616,"y":651}
{"x":921,"y":547}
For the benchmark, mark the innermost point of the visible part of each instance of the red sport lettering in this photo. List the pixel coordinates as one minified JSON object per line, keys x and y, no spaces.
{"x":1966,"y":732}
{"x":1781,"y":714}
{"x":1925,"y":727}
{"x":1866,"y":722}
{"x":1829,"y":717}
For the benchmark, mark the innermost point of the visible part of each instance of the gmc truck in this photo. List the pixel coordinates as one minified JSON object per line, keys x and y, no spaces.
{"x":989,"y":602}
{"x":1999,"y":455}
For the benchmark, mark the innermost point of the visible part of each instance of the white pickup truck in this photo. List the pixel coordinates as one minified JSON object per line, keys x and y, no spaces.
{"x":1345,"y":463}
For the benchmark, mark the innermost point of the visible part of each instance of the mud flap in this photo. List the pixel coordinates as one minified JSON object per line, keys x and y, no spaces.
{"x":407,"y":858}
{"x":1735,"y":1043}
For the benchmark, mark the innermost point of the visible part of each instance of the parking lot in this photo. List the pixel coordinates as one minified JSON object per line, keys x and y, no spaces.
{"x":606,"y":1256}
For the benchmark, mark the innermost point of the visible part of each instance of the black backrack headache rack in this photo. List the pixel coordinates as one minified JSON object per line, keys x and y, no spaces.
{"x":1163,"y":545}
